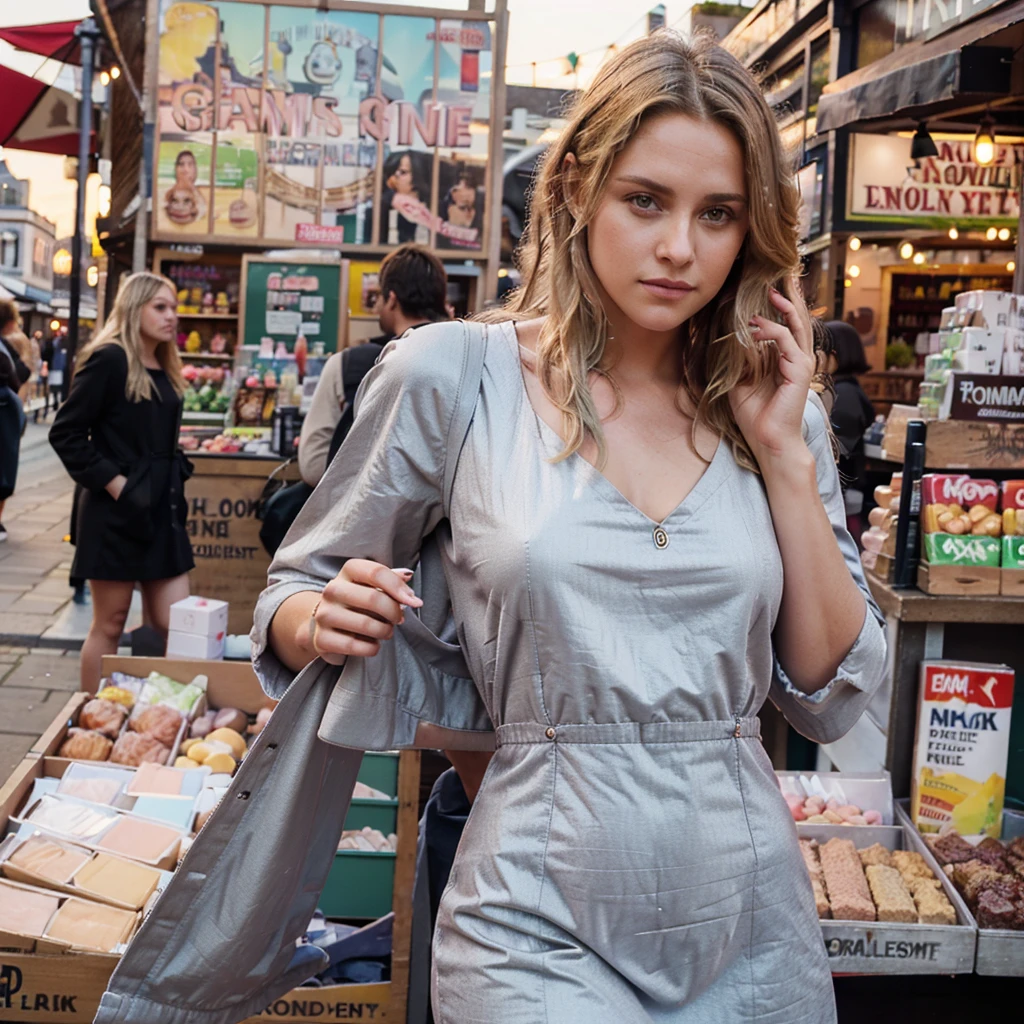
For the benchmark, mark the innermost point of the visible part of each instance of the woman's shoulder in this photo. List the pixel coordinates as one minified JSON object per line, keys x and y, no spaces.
{"x":430,"y":356}
{"x":108,"y":359}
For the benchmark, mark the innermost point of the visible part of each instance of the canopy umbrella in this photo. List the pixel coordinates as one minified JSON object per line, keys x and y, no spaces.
{"x":55,"y":39}
{"x":37,"y":116}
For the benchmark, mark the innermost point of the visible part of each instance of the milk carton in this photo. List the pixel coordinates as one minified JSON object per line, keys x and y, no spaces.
{"x":961,"y":747}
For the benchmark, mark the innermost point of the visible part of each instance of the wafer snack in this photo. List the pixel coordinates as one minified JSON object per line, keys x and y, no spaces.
{"x":876,"y":854}
{"x":809,"y":852}
{"x":891,"y":896}
{"x":848,"y":893}
{"x":910,"y":864}
{"x":933,"y":906}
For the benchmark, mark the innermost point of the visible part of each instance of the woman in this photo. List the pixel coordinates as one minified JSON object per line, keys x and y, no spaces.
{"x":852,"y":411}
{"x":646,"y":542}
{"x":117,"y":435}
{"x":406,"y":184}
{"x":14,"y":375}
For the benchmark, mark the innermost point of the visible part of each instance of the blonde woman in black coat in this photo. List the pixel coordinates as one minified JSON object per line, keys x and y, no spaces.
{"x":117,"y":435}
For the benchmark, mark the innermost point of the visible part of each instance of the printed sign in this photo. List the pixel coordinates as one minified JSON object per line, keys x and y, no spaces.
{"x":886,"y":185}
{"x":986,"y":397}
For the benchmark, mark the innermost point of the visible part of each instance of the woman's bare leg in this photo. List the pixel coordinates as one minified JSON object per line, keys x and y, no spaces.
{"x":111,"y":600}
{"x":159,"y":595}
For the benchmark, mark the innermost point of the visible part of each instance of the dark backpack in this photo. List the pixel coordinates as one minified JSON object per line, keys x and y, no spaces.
{"x":279,"y":503}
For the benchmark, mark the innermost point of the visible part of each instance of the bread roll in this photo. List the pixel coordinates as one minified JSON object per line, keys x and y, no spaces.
{"x":157,"y":720}
{"x":133,"y":748}
{"x":105,"y":716}
{"x":85,"y":745}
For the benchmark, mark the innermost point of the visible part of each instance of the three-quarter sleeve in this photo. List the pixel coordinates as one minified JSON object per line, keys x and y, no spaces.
{"x":98,"y":385}
{"x":831,"y":712}
{"x":382,"y":493}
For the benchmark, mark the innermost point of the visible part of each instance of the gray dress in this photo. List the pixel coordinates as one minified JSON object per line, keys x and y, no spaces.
{"x":630,"y":857}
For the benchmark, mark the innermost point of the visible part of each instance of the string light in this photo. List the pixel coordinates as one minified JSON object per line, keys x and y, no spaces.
{"x":953,"y":233}
{"x":853,"y":270}
{"x":115,"y":72}
{"x":104,"y":78}
{"x":991,"y":234}
{"x":855,"y":243}
{"x":919,"y":258}
{"x":1011,"y":266}
{"x":906,"y":250}
{"x":1004,"y":234}
{"x":985,"y":143}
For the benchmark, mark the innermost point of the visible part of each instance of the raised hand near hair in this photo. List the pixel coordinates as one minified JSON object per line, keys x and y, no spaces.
{"x":359,"y":609}
{"x":771,"y":416}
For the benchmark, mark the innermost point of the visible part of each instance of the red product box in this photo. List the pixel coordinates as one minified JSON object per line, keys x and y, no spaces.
{"x":1013,"y":494}
{"x":958,"y":489}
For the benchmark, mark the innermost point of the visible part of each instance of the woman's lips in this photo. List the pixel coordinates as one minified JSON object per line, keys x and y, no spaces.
{"x":663,"y":288}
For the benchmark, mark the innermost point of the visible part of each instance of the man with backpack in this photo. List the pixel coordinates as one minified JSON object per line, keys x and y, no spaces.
{"x":413,"y":289}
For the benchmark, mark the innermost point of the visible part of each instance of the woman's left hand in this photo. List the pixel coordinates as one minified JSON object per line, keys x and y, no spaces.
{"x":771,"y":416}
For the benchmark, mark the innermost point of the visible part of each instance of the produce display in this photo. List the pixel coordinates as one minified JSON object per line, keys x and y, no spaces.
{"x":989,"y":876}
{"x":874,"y":884}
{"x":370,"y":840}
{"x":206,"y":393}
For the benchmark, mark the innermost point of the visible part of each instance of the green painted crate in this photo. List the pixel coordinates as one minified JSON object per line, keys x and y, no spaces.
{"x":359,"y":885}
{"x":379,"y":814}
{"x":381,"y":772}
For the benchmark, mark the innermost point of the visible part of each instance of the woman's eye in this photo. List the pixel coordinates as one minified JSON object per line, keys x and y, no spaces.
{"x":718,"y":214}
{"x":643,"y":202}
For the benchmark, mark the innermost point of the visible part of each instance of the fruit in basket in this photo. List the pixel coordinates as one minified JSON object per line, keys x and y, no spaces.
{"x":232,"y":738}
{"x":231,"y":718}
{"x":252,"y":381}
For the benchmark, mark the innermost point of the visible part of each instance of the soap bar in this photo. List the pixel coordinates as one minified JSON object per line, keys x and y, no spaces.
{"x":91,"y":925}
{"x":950,"y":549}
{"x":25,"y":912}
{"x":75,"y":820}
{"x":139,"y":840}
{"x":1013,"y":552}
{"x":48,"y":859}
{"x":116,"y":879}
{"x":156,"y":780}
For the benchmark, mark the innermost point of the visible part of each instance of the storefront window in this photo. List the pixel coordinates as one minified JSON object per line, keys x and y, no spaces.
{"x":820,"y":66}
{"x":9,"y":249}
{"x":785,"y":89}
{"x":876,"y":30}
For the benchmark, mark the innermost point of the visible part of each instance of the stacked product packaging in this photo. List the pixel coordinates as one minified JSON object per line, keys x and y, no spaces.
{"x":976,"y":525}
{"x":198,"y":628}
{"x":981,"y":336}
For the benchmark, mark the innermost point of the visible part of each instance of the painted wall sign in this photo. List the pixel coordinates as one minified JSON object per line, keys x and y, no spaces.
{"x":319,"y":126}
{"x":885,"y":184}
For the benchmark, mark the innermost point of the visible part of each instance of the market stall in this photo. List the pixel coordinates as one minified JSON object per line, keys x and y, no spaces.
{"x":92,"y":841}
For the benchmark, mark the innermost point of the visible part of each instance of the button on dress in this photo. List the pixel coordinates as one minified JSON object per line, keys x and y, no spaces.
{"x":630,"y":857}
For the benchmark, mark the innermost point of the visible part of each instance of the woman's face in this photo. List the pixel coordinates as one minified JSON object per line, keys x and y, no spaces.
{"x":403,"y":175}
{"x":671,"y":222}
{"x":185,"y":169}
{"x":159,"y":320}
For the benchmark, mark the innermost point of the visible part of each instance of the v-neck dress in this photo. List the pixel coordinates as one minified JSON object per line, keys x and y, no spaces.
{"x":630,"y":857}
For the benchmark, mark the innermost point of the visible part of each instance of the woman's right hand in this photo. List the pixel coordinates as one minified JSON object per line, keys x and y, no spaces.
{"x":359,"y":608}
{"x":116,"y":486}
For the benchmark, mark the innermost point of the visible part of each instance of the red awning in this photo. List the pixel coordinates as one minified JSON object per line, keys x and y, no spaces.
{"x":36,"y":116}
{"x":55,"y":39}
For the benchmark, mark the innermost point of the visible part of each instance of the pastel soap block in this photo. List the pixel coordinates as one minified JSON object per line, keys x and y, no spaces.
{"x":91,"y":925}
{"x":140,"y":840}
{"x":25,"y":911}
{"x":1013,"y":552}
{"x":175,"y":810}
{"x":46,"y":858}
{"x":951,"y":549}
{"x":123,"y":881}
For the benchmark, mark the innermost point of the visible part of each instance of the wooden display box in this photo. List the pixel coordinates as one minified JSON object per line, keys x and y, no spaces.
{"x":1011,"y":582}
{"x":958,"y":580}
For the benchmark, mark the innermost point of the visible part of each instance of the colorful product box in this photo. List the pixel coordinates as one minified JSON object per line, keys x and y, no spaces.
{"x":953,"y":549}
{"x":1011,"y":493}
{"x":961,"y":747}
{"x":989,"y":309}
{"x":1013,"y":553}
{"x":959,"y":489}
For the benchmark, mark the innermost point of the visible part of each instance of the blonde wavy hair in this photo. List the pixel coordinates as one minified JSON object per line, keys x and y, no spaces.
{"x":660,"y":74}
{"x":123,"y":329}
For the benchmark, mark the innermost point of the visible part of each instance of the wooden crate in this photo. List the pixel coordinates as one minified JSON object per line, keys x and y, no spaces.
{"x":1011,"y":582}
{"x":966,"y":444}
{"x":231,"y":562}
{"x":958,"y":580}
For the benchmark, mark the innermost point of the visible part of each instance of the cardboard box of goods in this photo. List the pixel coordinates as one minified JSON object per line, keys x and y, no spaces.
{"x":204,"y":616}
{"x":947,"y":318}
{"x":193,"y":646}
{"x":984,"y":362}
{"x":990,"y":309}
{"x":1013,"y":364}
{"x":960,"y":489}
{"x":1011,"y":577}
{"x":961,"y":746}
{"x":952,"y":549}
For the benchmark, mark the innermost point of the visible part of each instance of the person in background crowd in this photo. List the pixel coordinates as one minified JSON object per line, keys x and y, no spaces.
{"x":852,"y":414}
{"x":45,"y":346}
{"x":117,"y":435}
{"x":58,"y":367}
{"x":14,"y":373}
{"x":413,"y":291}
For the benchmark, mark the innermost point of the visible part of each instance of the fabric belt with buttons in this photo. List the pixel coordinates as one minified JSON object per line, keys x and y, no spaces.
{"x":628,"y":732}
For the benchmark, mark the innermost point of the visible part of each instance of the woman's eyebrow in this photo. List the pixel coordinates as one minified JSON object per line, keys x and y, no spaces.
{"x":725,"y":197}
{"x":648,"y":183}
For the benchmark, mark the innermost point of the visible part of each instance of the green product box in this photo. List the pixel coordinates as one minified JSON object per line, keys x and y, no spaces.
{"x":1013,"y":552}
{"x":359,"y":885}
{"x":955,"y":549}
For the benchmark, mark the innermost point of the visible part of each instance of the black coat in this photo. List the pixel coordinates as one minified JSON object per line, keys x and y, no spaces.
{"x":99,"y":433}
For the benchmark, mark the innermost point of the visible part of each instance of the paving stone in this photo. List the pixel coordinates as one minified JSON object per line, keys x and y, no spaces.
{"x":46,"y":670}
{"x":20,"y":624}
{"x":42,"y":604}
{"x":12,"y":749}
{"x":27,"y":712}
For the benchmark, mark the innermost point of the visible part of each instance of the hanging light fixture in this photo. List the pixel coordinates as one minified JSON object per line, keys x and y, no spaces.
{"x":991,"y":234}
{"x":1004,"y":234}
{"x":906,"y":250}
{"x":919,"y":258}
{"x":985,"y":142}
{"x":1011,"y":266}
{"x":853,"y":270}
{"x":953,"y":233}
{"x":855,"y":243}
{"x":922,"y":144}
